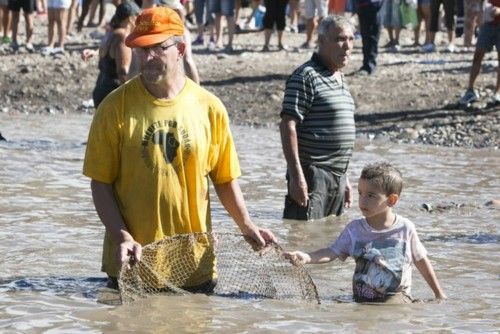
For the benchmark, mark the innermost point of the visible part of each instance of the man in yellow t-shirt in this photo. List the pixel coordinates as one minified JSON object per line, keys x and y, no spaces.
{"x":153,"y":144}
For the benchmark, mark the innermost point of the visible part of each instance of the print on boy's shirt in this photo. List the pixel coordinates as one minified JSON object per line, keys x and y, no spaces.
{"x":163,"y":139}
{"x":379,"y":268}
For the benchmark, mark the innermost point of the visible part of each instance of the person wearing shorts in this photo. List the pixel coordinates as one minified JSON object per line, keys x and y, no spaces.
{"x":473,"y":16}
{"x":275,"y":15}
{"x":449,"y":16}
{"x":58,"y":16}
{"x":29,"y":8}
{"x":424,"y":14}
{"x":5,"y":20}
{"x":224,"y":8}
{"x":489,"y":36}
{"x":315,"y":11}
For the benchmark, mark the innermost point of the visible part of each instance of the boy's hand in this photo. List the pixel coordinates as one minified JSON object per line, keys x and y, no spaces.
{"x":297,"y":257}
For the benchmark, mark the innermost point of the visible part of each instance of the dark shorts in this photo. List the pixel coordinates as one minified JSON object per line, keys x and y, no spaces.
{"x":223,"y":7}
{"x":28,"y":6}
{"x":489,"y":36}
{"x":326,"y":196}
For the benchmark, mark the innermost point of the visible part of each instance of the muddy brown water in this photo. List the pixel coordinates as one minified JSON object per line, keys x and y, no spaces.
{"x":50,"y":241}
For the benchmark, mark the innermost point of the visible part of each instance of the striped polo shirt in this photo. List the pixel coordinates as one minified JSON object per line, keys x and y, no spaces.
{"x":324,"y":110}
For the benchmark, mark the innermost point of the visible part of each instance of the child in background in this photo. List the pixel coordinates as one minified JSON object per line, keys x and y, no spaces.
{"x":383,"y":244}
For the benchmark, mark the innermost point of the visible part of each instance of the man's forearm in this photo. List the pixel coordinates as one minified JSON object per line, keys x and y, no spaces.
{"x":108,"y":211}
{"x":291,"y":148}
{"x":231,"y":198}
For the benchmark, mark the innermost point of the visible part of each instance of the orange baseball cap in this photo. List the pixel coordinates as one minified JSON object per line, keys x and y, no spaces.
{"x":153,"y":26}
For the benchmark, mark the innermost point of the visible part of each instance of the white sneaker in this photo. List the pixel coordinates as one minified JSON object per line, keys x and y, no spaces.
{"x":211,"y":45}
{"x":47,"y":50}
{"x":29,"y":47}
{"x":58,"y":50}
{"x":496,"y":98}
{"x":450,"y":48}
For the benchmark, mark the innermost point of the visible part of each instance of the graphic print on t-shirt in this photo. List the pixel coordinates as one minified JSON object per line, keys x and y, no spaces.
{"x":379,"y":266}
{"x":165,"y":139}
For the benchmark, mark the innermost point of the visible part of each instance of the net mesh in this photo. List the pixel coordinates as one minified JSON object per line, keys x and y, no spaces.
{"x":179,"y":263}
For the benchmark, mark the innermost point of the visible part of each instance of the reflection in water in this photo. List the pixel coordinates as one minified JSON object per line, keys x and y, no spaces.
{"x":476,"y":238}
{"x":50,"y":241}
{"x":88,"y":287}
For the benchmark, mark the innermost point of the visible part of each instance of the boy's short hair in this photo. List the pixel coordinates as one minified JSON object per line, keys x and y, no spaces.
{"x":385,"y":176}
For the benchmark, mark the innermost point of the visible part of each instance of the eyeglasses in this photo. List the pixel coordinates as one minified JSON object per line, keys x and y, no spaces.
{"x":157,"y":50}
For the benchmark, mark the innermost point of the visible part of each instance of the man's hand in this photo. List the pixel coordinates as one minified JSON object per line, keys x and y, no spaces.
{"x":258,"y":237}
{"x":298,"y":190}
{"x":297,"y":257}
{"x":129,"y":249}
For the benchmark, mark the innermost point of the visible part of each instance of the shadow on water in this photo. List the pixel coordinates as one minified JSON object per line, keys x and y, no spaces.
{"x":39,"y":144}
{"x":437,"y":115}
{"x":475,"y":238}
{"x":88,"y":287}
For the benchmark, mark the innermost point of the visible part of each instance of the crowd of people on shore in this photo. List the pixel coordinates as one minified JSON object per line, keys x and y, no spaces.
{"x":457,"y":17}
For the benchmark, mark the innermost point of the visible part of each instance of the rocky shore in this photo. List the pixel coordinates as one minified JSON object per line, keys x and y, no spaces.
{"x":412,"y":98}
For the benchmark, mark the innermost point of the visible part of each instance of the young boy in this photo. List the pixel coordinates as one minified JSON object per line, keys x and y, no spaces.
{"x":383,"y":244}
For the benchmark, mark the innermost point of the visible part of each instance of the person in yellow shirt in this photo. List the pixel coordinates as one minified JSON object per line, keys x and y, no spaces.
{"x":152,"y":146}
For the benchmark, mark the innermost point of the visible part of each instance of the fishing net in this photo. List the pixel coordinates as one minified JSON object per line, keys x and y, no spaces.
{"x":190,"y":262}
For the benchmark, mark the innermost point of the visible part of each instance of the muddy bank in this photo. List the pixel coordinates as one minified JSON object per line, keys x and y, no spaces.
{"x":412,"y":97}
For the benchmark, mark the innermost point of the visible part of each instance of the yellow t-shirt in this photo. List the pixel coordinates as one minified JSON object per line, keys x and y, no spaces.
{"x":157,"y":154}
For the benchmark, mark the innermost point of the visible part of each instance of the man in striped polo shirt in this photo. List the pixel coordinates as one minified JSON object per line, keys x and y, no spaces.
{"x":317,"y":127}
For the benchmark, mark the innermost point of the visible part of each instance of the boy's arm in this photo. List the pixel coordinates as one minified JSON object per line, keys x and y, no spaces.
{"x":323,"y":255}
{"x":427,"y":272}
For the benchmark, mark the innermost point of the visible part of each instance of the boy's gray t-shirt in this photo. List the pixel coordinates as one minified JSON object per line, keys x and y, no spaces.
{"x":383,"y":257}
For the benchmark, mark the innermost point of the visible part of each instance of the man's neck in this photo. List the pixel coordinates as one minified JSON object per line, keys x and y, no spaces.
{"x":166,"y":89}
{"x":323,"y":60}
